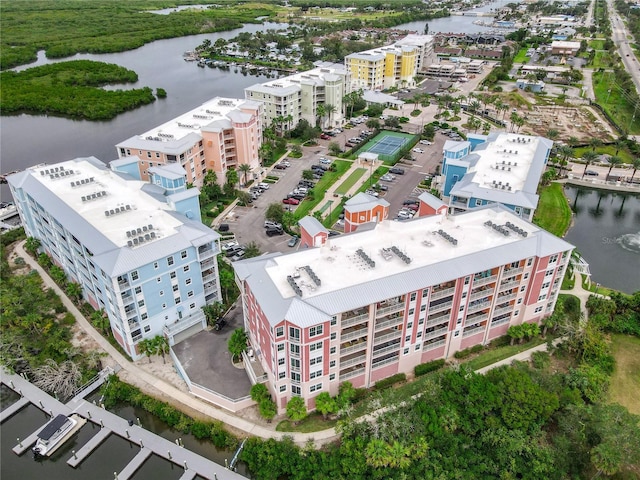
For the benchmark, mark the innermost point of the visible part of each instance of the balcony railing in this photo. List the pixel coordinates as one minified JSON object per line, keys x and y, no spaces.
{"x":361,"y":332}
{"x":354,"y":320}
{"x":478,"y":306}
{"x":386,"y":310}
{"x":434,"y":345}
{"x":438,"y":320}
{"x":506,"y":298}
{"x":390,"y":348}
{"x":353,"y":348}
{"x":387,"y":337}
{"x":481,"y":294}
{"x":473,"y":319}
{"x":436,"y":333}
{"x":500,"y":311}
{"x":508,"y":285}
{"x":386,"y":361}
{"x":207,"y":264}
{"x":501,"y":321}
{"x":206,"y":253}
{"x":181,"y":325}
{"x":351,"y":374}
{"x":472,"y":331}
{"x":478,"y":282}
{"x":435,"y":295}
{"x":439,"y":307}
{"x":511,"y":272}
{"x":388,"y":323}
{"x":353,"y":361}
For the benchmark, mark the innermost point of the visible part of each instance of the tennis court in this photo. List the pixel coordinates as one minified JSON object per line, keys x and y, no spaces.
{"x":389,"y":145}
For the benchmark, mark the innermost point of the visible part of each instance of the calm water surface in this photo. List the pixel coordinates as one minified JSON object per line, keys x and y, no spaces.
{"x":606,"y":232}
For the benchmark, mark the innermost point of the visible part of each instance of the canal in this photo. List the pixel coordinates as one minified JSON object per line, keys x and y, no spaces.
{"x":606,"y":232}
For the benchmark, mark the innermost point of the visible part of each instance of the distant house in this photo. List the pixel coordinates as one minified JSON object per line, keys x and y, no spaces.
{"x":559,"y":47}
{"x":530,"y":85}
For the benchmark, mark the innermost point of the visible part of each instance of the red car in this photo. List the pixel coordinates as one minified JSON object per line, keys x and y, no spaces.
{"x":291,"y":201}
{"x":324,"y":136}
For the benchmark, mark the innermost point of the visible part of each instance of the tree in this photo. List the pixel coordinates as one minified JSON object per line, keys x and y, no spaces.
{"x":32,"y":245}
{"x":232,"y":181}
{"x":237,"y":343}
{"x":307,"y":174}
{"x":74,"y":291}
{"x":62,"y":379}
{"x":252,"y":250}
{"x":245,"y":168}
{"x":373,"y":123}
{"x":429,"y":132}
{"x":146,"y":347}
{"x":326,"y":404}
{"x":565,"y":152}
{"x":259,"y":392}
{"x":552,"y":134}
{"x":296,"y":150}
{"x":635,"y":164}
{"x":58,"y":275}
{"x":594,"y":143}
{"x":160,"y":346}
{"x":274,"y":212}
{"x":296,"y":410}
{"x":346,"y":393}
{"x":44,"y":261}
{"x":244,"y":198}
{"x":515,"y":332}
{"x":321,"y":111}
{"x":588,"y":158}
{"x":267,"y":409}
{"x":213,"y":312}
{"x":614,"y":161}
{"x":100,"y":320}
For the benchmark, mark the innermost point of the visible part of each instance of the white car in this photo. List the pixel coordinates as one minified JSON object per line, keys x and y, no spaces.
{"x":229,"y":245}
{"x":425,"y":142}
{"x":263,"y":186}
{"x":325,"y":161}
{"x":418,"y":150}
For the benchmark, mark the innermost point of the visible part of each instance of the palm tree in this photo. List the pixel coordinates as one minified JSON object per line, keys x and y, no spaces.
{"x":566,"y":152}
{"x":614,"y":161}
{"x":74,"y":291}
{"x":32,"y":245}
{"x":552,"y":134}
{"x":100,"y":320}
{"x":588,"y":158}
{"x":146,"y":347}
{"x":635,"y":164}
{"x":321,"y":111}
{"x":330,"y":110}
{"x":594,"y":143}
{"x":245,"y":168}
{"x":161,"y":346}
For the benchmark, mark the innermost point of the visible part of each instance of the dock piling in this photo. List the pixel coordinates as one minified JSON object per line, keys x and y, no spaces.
{"x":40,"y":402}
{"x":101,"y":423}
{"x":115,"y":475}
{"x":185,"y":465}
{"x":169,"y":453}
{"x":128,"y":434}
{"x":74,"y":454}
{"x":13,"y":387}
{"x":139,"y":422}
{"x":141,"y":444}
{"x":89,"y":414}
{"x":19,"y":442}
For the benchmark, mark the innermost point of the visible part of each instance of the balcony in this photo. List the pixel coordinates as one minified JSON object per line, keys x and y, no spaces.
{"x":472,"y":331}
{"x":434,"y":345}
{"x":435,"y":295}
{"x":358,"y":333}
{"x":459,"y":202}
{"x":439,"y":307}
{"x":507,"y":273}
{"x":501,"y":321}
{"x":184,"y":323}
{"x":210,"y":289}
{"x":478,"y":306}
{"x":477,"y":282}
{"x":356,"y":347}
{"x":386,"y":361}
{"x":508,"y":285}
{"x":205,"y":253}
{"x":506,"y":298}
{"x":390,"y":308}
{"x":387,"y":337}
{"x":477,"y":318}
{"x":351,"y":374}
{"x":392,"y":322}
{"x":500,"y":311}
{"x":440,"y":319}
{"x":481,"y":294}
{"x":353,"y":361}
{"x":356,"y":320}
{"x":389,"y":348}
{"x":436,"y":333}
{"x":207,"y":264}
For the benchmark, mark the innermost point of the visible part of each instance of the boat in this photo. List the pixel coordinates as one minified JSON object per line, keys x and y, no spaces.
{"x":56,"y":433}
{"x":7,"y":210}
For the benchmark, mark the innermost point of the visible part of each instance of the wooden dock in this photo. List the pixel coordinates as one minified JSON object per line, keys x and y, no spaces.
{"x":110,"y":423}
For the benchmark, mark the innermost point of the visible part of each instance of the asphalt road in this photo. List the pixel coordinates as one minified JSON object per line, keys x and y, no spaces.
{"x":619,"y":37}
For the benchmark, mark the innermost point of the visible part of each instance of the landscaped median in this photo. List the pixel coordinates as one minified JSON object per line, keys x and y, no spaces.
{"x":328,"y":179}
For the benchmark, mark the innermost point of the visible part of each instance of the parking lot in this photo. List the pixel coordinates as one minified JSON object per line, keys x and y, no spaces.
{"x":247,"y":223}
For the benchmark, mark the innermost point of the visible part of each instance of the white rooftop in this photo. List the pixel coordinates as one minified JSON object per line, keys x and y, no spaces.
{"x":128,"y":205}
{"x":349,"y":279}
{"x":316,"y":75}
{"x":191,"y":122}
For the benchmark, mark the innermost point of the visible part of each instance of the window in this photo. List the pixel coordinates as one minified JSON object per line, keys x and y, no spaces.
{"x":332,"y":350}
{"x":148,"y":154}
{"x":280,"y":347}
{"x":409,"y":325}
{"x":519,"y":301}
{"x":281,"y":361}
{"x":138,"y":290}
{"x":522,"y":288}
{"x":315,"y":346}
{"x":315,"y":388}
{"x":187,"y":281}
{"x":478,"y":202}
{"x":461,"y":309}
{"x":405,"y":351}
{"x":315,"y":361}
{"x":334,"y":320}
{"x":177,"y":300}
{"x":548,"y":273}
{"x":159,"y":279}
{"x":467,"y":280}
{"x":419,"y":334}
{"x":317,"y":330}
{"x":407,"y":338}
{"x":421,"y":321}
{"x":545,"y":285}
{"x":175,"y":288}
{"x":164,"y":305}
{"x":294,"y":349}
{"x":147,"y":329}
{"x":141,"y":303}
{"x":185,"y":268}
{"x":516,"y":313}
{"x":332,"y":363}
{"x":425,"y":292}
{"x":170,"y":260}
{"x":542,"y":297}
{"x":529,"y":262}
{"x":332,"y":376}
{"x":316,"y":374}
{"x":134,"y":275}
{"x":417,"y":347}
{"x":190,"y":293}
{"x":412,"y":311}
{"x":144,"y":316}
{"x":333,"y":336}
{"x":295,"y":389}
{"x":538,"y":310}
{"x":413,"y":297}
{"x":183,"y":254}
{"x":192,"y":306}
{"x":283,"y":388}
{"x":279,"y":331}
{"x":172,"y":275}
{"x":295,"y":363}
{"x":526,"y":275}
{"x":553,"y":259}
{"x":155,"y":265}
{"x":294,"y":333}
{"x":456,"y":333}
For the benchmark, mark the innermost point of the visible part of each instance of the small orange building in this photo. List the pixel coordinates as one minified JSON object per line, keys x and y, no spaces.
{"x":312,"y":232}
{"x":362,"y":209}
{"x":430,"y":205}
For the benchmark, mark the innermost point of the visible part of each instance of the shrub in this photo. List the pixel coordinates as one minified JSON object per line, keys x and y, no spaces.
{"x":428,"y":367}
{"x":476,"y":348}
{"x":387,"y":382}
{"x":540,"y":360}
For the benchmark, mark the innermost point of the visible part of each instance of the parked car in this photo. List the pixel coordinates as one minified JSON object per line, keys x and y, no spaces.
{"x":410,"y":201}
{"x":286,"y":163}
{"x":223,"y":227}
{"x":271,"y":224}
{"x":591,"y":173}
{"x":384,"y":188}
{"x":238,"y":256}
{"x":291,"y":201}
{"x":414,"y":207}
{"x":397,"y":170}
{"x":263,"y":186}
{"x":325,"y":161}
{"x":324,"y":136}
{"x":280,"y":166}
{"x":221,"y":322}
{"x":229,"y":245}
{"x":373,"y":193}
{"x":425,"y":142}
{"x":418,"y":150}
{"x":274,"y":231}
{"x":293,"y":242}
{"x":233,"y":251}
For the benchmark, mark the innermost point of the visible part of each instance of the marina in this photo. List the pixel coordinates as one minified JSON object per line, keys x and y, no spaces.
{"x":106,"y":426}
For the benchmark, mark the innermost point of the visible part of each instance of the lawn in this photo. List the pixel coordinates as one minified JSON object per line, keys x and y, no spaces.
{"x":325,"y":182}
{"x":605,"y":149}
{"x":615,"y":102}
{"x":597,"y":44}
{"x":351,"y":181}
{"x":311,"y":423}
{"x":625,"y":382}
{"x":553,"y":212}
{"x":521,"y":56}
{"x":494,"y":355}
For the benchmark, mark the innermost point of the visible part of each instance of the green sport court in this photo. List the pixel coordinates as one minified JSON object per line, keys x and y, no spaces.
{"x":389,"y":145}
